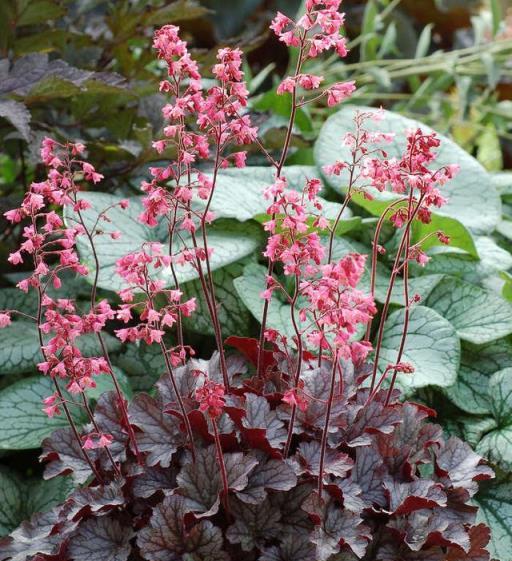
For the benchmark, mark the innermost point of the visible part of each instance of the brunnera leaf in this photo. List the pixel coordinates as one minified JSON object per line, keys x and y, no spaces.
{"x":496,"y":444}
{"x":20,"y":352}
{"x":200,"y":482}
{"x":432,"y":347}
{"x":167,"y":538}
{"x":495,"y":502}
{"x":101,"y":538}
{"x":160,"y":435}
{"x":478,"y":363}
{"x":478,"y":315}
{"x":20,"y":498}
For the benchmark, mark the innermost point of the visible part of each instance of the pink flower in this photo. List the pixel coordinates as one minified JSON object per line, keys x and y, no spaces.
{"x":15,"y":258}
{"x":294,"y":398}
{"x":339,"y":92}
{"x":287,"y":85}
{"x":5,"y":320}
{"x":309,"y":81}
{"x":211,"y":398}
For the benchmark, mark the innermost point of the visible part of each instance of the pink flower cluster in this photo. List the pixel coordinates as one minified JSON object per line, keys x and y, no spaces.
{"x":328,"y":290}
{"x":198,"y":120}
{"x":291,"y":240}
{"x":210,"y":397}
{"x":138,"y":270}
{"x":316,"y":32}
{"x":338,"y":308}
{"x":51,"y":246}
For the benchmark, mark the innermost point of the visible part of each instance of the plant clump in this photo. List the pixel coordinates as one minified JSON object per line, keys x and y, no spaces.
{"x":277,"y":448}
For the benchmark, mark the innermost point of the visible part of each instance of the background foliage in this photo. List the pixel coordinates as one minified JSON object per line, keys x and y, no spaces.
{"x":83,"y":69}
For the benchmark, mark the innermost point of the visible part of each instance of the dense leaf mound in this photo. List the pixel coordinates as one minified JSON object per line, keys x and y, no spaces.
{"x":394,"y":488}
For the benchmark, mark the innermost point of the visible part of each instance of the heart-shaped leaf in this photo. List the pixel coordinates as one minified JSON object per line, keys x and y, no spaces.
{"x":23,"y":422}
{"x":478,"y":363}
{"x":495,"y":502}
{"x":432,"y":347}
{"x":496,"y":445}
{"x":20,"y":499}
{"x":479,"y":316}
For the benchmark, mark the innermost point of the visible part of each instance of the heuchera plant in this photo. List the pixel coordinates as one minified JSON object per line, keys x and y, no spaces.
{"x":279,"y":450}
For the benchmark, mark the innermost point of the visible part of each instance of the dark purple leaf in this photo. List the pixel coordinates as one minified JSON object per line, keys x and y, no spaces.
{"x":255,"y":524}
{"x":335,"y":527}
{"x":413,"y":495}
{"x":268,"y":474}
{"x":64,"y":455}
{"x":154,"y":479}
{"x":293,"y":548}
{"x":185,"y":381}
{"x":18,"y":115}
{"x":101,"y":538}
{"x":317,"y":384}
{"x":409,"y":440}
{"x":160,"y":435}
{"x":479,"y":537}
{"x":93,"y":500}
{"x":395,"y":551}
{"x":36,"y":536}
{"x":369,"y":471}
{"x":35,"y":68}
{"x":168,"y":539}
{"x":431,"y":527}
{"x":351,"y":494}
{"x":457,"y":461}
{"x":370,"y":419}
{"x":307,"y":460}
{"x":261,"y":423}
{"x":200,"y":482}
{"x":293,"y":518}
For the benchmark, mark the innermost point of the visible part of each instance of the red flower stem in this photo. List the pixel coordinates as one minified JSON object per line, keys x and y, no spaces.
{"x":298,"y":367}
{"x":215,"y":316}
{"x":222,"y":466}
{"x":57,"y":387}
{"x":394,"y":273}
{"x":375,"y":254}
{"x":170,"y":373}
{"x":119,"y":392}
{"x":406,"y":321}
{"x":179,"y":319}
{"x":325,"y":433}
{"x":279,"y":169}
